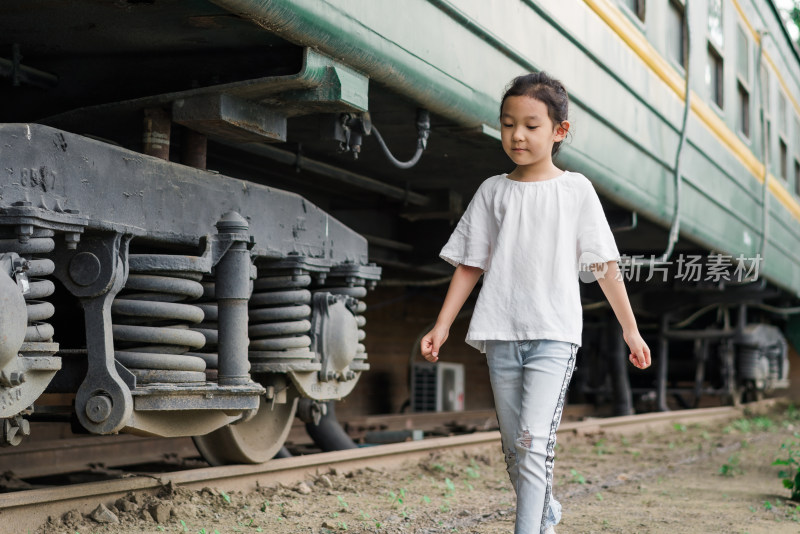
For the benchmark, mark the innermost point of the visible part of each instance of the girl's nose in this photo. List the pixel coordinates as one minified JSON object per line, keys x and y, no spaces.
{"x":517,"y":134}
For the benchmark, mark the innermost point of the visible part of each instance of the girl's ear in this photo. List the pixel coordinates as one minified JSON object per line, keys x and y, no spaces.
{"x":561,"y":131}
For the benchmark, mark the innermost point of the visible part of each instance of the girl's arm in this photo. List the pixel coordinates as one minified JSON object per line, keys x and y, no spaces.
{"x":464,"y":280}
{"x":614,"y":289}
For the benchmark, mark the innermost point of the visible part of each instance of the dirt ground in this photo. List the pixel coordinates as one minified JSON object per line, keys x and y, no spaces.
{"x":715,"y":478}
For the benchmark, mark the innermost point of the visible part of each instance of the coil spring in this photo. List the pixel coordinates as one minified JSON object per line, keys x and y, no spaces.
{"x":209,"y":327}
{"x":280,"y":314}
{"x":356,"y":292}
{"x":151,"y":325}
{"x":39,"y":311}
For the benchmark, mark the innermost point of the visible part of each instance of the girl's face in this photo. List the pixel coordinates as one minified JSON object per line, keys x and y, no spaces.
{"x":528,"y":133}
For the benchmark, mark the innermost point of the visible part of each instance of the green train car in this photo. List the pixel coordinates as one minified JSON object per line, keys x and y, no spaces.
{"x":198,"y":195}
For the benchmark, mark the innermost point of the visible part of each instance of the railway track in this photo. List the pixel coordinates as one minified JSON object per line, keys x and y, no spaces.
{"x":27,"y":510}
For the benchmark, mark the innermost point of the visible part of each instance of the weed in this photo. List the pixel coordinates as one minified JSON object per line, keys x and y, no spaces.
{"x":342,"y":502}
{"x":601,"y":448}
{"x":762,"y":423}
{"x":577,"y":477}
{"x":225,"y":496}
{"x":599,"y":496}
{"x":791,"y":474}
{"x":397,"y":498}
{"x":767,"y":506}
{"x":680,"y":427}
{"x":451,"y":488}
{"x":731,"y":468}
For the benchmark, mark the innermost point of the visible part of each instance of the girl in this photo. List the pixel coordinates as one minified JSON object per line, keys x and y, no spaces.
{"x":527,"y":231}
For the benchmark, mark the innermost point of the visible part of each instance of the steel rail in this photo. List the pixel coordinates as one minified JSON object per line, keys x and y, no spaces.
{"x":29,"y":509}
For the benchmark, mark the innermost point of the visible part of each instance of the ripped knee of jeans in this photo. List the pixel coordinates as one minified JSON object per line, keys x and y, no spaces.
{"x":511,"y":456}
{"x":525,"y":439}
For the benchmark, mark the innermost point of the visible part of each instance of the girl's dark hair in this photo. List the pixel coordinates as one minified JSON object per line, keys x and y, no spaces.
{"x":546,"y":89}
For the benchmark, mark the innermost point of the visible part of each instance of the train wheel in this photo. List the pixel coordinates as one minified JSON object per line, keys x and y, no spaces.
{"x":252,"y":442}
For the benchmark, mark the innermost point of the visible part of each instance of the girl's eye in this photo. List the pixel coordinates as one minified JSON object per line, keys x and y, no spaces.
{"x":507,"y":125}
{"x":532,"y":127}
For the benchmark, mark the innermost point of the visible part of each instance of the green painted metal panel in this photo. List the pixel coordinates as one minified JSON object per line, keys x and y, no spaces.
{"x":454,"y":58}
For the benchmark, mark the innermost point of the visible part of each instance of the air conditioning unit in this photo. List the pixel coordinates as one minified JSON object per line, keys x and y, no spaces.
{"x":437,"y":387}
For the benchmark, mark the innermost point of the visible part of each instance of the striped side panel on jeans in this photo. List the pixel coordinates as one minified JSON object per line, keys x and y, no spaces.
{"x":551,"y":442}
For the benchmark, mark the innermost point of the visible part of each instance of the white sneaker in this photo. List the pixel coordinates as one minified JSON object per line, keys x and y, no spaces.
{"x":550,"y":530}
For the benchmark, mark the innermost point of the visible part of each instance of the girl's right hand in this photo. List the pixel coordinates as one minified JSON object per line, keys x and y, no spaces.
{"x":433,"y":340}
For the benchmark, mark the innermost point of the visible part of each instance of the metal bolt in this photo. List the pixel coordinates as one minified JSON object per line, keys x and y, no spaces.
{"x":72,"y":239}
{"x":24,"y":232}
{"x":16,"y":378}
{"x":99,"y":408}
{"x":84,"y":268}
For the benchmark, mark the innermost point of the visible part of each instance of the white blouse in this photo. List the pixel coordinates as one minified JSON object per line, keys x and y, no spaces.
{"x":528,"y":238}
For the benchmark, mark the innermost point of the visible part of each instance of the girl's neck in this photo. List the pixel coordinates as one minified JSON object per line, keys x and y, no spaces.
{"x":527,"y":174}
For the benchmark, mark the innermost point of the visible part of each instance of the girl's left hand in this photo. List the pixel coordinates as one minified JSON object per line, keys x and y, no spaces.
{"x":640,"y":352}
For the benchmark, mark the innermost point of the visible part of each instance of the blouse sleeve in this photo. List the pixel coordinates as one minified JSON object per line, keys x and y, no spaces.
{"x":594,"y":234}
{"x":471,"y":243}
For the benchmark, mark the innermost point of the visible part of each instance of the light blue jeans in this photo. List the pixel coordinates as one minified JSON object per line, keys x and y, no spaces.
{"x":529,"y":381}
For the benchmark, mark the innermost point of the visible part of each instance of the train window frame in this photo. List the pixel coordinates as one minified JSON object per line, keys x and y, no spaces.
{"x":637,"y":14}
{"x":783,"y":154}
{"x":677,"y":7}
{"x":783,"y":106}
{"x":796,"y":177}
{"x":783,"y":136}
{"x":743,"y":89}
{"x":715,"y":77}
{"x":743,"y":116}
{"x":719,"y":43}
{"x":765,"y":102}
{"x":796,"y":137}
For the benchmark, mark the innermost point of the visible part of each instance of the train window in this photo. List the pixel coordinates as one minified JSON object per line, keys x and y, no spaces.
{"x":782,"y":151}
{"x":742,"y":54}
{"x":636,"y":6}
{"x":714,"y":76}
{"x":715,"y":23}
{"x":676,"y":33}
{"x":744,"y":110}
{"x":797,"y":177}
{"x":796,"y":137}
{"x":743,"y":80}
{"x":782,"y":114}
{"x":766,"y":100}
{"x":765,"y":88}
